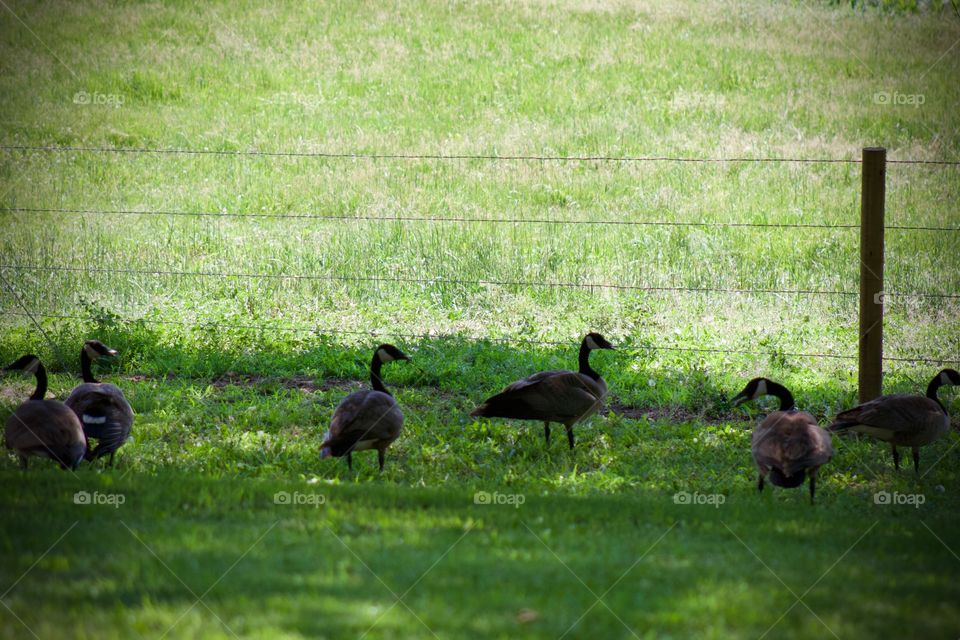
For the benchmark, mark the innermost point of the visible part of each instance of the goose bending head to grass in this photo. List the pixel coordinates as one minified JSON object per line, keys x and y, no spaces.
{"x":560,"y":396}
{"x":41,"y":427}
{"x":366,"y":419}
{"x":787,"y":445}
{"x":103,"y":410}
{"x":902,"y":419}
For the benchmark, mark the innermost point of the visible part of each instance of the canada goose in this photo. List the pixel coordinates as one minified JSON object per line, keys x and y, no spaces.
{"x":788,"y":445}
{"x":902,"y":419}
{"x":42,"y":427}
{"x":366,"y":419}
{"x":103,"y":411}
{"x":553,"y":396}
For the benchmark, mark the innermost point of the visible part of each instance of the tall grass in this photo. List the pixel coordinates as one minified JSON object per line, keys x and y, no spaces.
{"x":604,"y":79}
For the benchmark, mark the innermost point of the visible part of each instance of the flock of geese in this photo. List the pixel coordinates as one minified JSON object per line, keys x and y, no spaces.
{"x":788,"y":446}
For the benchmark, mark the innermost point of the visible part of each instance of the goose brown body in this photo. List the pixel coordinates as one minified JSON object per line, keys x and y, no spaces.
{"x":788,"y":446}
{"x":902,"y":419}
{"x":567,"y":397}
{"x":103,"y":410}
{"x":45,"y":428}
{"x":366,"y":419}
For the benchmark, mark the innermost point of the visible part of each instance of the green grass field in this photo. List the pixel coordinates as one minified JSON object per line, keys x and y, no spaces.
{"x":240,"y":331}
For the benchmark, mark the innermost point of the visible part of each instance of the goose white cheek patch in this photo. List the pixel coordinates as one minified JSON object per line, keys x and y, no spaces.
{"x":384,"y":356}
{"x":33,"y":366}
{"x":945,"y":379}
{"x":761,"y":389}
{"x":591,"y":344}
{"x":91,"y":352}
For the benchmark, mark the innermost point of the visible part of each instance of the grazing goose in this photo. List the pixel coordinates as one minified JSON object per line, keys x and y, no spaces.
{"x":902,"y":419}
{"x":42,"y":427}
{"x":788,"y":445}
{"x":103,"y":411}
{"x":366,"y":419}
{"x":553,"y":396}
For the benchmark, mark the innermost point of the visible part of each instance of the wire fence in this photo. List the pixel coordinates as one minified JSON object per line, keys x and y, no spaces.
{"x":461,"y":219}
{"x":450,"y":282}
{"x":648,"y":221}
{"x":351,"y":155}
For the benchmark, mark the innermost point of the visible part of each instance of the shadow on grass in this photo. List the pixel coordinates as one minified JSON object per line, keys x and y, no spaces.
{"x":463,"y":569}
{"x":643,"y":381}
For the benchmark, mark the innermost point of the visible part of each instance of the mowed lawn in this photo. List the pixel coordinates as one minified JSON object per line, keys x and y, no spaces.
{"x":246,"y":292}
{"x":190,"y":557}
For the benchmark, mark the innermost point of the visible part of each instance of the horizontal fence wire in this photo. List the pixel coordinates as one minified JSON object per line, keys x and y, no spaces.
{"x":453,"y":219}
{"x":376,"y":333}
{"x":457,"y":219}
{"x":443,"y":281}
{"x":351,"y":155}
{"x":431,"y":281}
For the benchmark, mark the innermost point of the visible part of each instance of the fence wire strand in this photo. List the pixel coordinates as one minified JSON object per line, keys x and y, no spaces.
{"x":460,"y":282}
{"x":456,"y":219}
{"x":430,"y":281}
{"x":357,"y":155}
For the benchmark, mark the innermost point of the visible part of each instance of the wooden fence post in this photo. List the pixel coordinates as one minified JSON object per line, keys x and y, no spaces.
{"x":872,"y":197}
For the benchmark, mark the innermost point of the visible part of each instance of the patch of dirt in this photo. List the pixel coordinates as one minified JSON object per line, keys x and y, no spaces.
{"x":672,"y":414}
{"x":15,"y":393}
{"x":306,"y":384}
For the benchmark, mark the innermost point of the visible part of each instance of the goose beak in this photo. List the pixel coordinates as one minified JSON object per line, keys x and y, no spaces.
{"x":739,"y":399}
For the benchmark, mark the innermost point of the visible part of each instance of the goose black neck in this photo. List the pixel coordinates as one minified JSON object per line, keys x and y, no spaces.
{"x":375,"y":380}
{"x":41,"y":391}
{"x":780,"y":391}
{"x":85,"y":363}
{"x":932,"y":389}
{"x":585,"y":361}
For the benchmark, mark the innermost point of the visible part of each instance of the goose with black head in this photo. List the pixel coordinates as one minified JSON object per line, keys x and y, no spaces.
{"x":103,"y":410}
{"x":562,"y":396}
{"x":788,"y":445}
{"x":368,"y":419}
{"x":902,"y":419}
{"x":41,"y":427}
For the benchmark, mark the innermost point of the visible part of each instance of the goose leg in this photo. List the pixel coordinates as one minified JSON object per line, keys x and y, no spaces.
{"x":546,"y":432}
{"x":110,"y":464}
{"x":916,"y":459}
{"x":813,"y":484}
{"x":381,"y":457}
{"x":569,"y":435}
{"x":350,"y":460}
{"x":760,"y":483}
{"x":896,"y":457}
{"x":23,"y":462}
